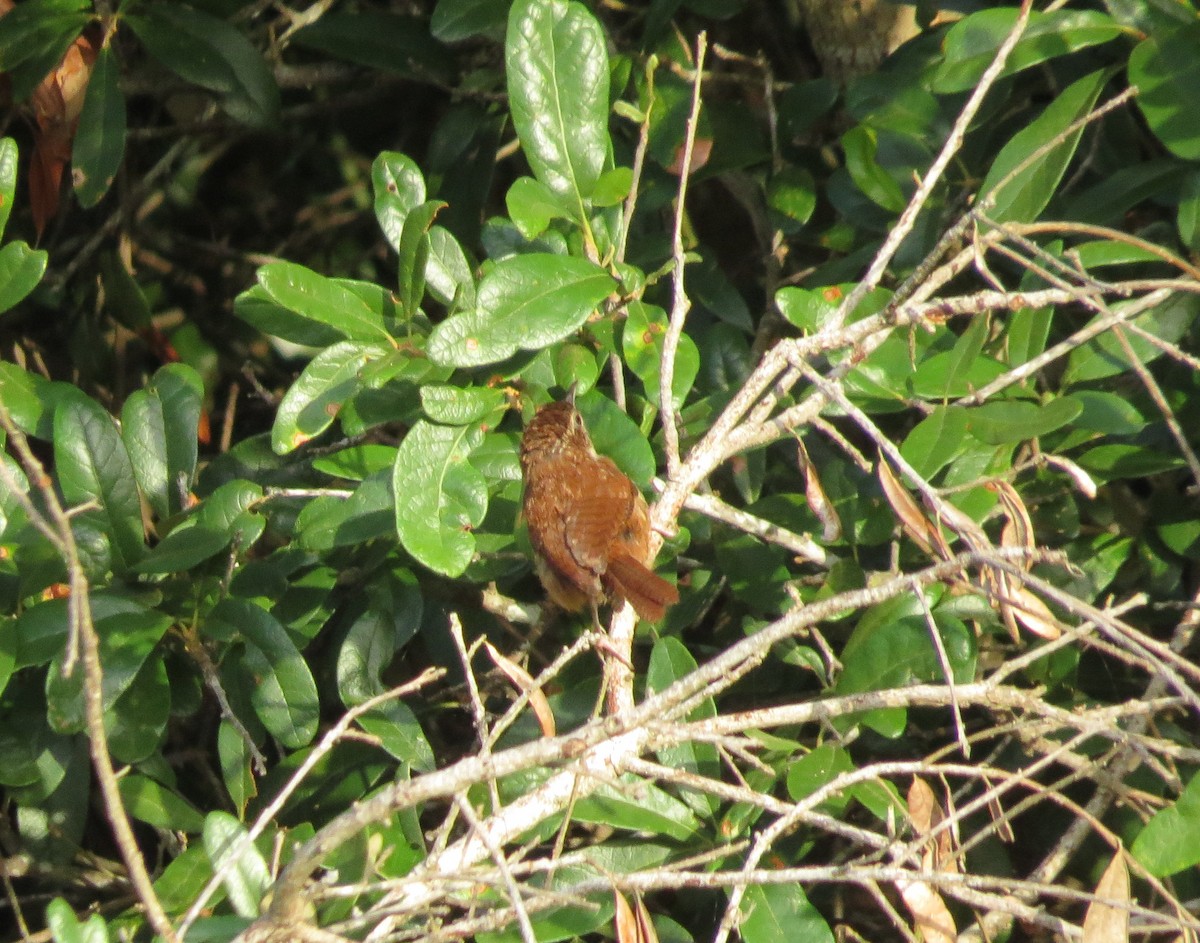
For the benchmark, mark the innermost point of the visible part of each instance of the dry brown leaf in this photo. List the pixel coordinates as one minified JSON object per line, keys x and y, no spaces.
{"x":632,"y":924}
{"x":1034,"y":614}
{"x":1018,"y":532}
{"x":524,"y":682}
{"x":930,"y":914}
{"x":818,"y":501}
{"x":908,"y":512}
{"x":1104,"y":922}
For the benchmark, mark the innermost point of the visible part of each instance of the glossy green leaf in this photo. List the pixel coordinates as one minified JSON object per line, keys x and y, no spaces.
{"x":1166,"y":70}
{"x":456,"y":20}
{"x":448,"y":272}
{"x":21,"y":268}
{"x":245,"y":875}
{"x":126,"y":640}
{"x":440,"y":497}
{"x":285,"y":694}
{"x":137,"y":721}
{"x":1020,"y":195}
{"x":93,"y":466}
{"x":792,"y":194}
{"x":225,"y":517}
{"x":1119,"y":460}
{"x":212,"y":53}
{"x":461,"y":406}
{"x":1004,"y":422}
{"x":524,"y":303}
{"x":1170,"y":841}
{"x":936,"y":440}
{"x":1106,"y":413}
{"x":257,"y":308}
{"x":124,"y":299}
{"x":42,"y":629}
{"x":532,"y":205}
{"x":399,"y":186}
{"x":891,"y":647}
{"x":65,"y":927}
{"x":100,"y":139}
{"x":639,"y":806}
{"x":1106,"y":356}
{"x":613,"y":186}
{"x":357,"y":461}
{"x":971,"y":43}
{"x":859,"y":145}
{"x":311,"y":404}
{"x":400,"y":733}
{"x":150,"y":801}
{"x":8,"y":179}
{"x":556,"y":61}
{"x":234,"y":756}
{"x":1028,"y":329}
{"x":642,"y":344}
{"x":369,"y":513}
{"x":159,"y":426}
{"x":414,"y":255}
{"x":323,"y":300}
{"x":818,"y":768}
{"x":8,"y":650}
{"x":616,"y":435}
{"x":781,"y":913}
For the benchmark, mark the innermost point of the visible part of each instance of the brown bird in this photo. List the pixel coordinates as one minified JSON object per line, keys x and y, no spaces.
{"x":588,"y":523}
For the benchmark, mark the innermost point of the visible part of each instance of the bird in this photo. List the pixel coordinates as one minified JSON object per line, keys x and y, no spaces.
{"x":588,"y":523}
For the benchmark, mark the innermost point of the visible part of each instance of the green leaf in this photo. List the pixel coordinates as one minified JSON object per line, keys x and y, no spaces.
{"x":818,"y":768}
{"x":936,"y":440}
{"x":1166,"y":71}
{"x":639,"y":806}
{"x":859,"y":145}
{"x":213,"y":54}
{"x":311,"y":404}
{"x":971,"y":43}
{"x":159,"y":426}
{"x":21,"y":268}
{"x":223,"y":518}
{"x":456,"y":20}
{"x":137,"y":720}
{"x":781,"y":913}
{"x":669,"y":661}
{"x":126,"y":640}
{"x":8,"y":179}
{"x":891,"y":647}
{"x":234,"y":756}
{"x":93,"y":466}
{"x":150,"y":801}
{"x":1021,"y":195}
{"x":66,"y":928}
{"x":383,"y":40}
{"x":532,"y":205}
{"x":1170,"y":841}
{"x":1004,"y":422}
{"x":414,"y":255}
{"x":459,"y":406}
{"x":399,"y":186}
{"x":246,"y":877}
{"x":616,"y":435}
{"x":100,"y":139}
{"x":792,"y":194}
{"x":285,"y":694}
{"x":124,"y":299}
{"x":556,"y":60}
{"x":368,"y":513}
{"x":1105,"y":356}
{"x":449,"y":272}
{"x":400,"y":733}
{"x":525,"y":302}
{"x":1188,"y":217}
{"x":642,"y":345}
{"x":323,"y":300}
{"x":357,"y":462}
{"x":440,"y":497}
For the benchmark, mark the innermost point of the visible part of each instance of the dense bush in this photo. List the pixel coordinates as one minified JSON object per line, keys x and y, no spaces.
{"x":905,"y":353}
